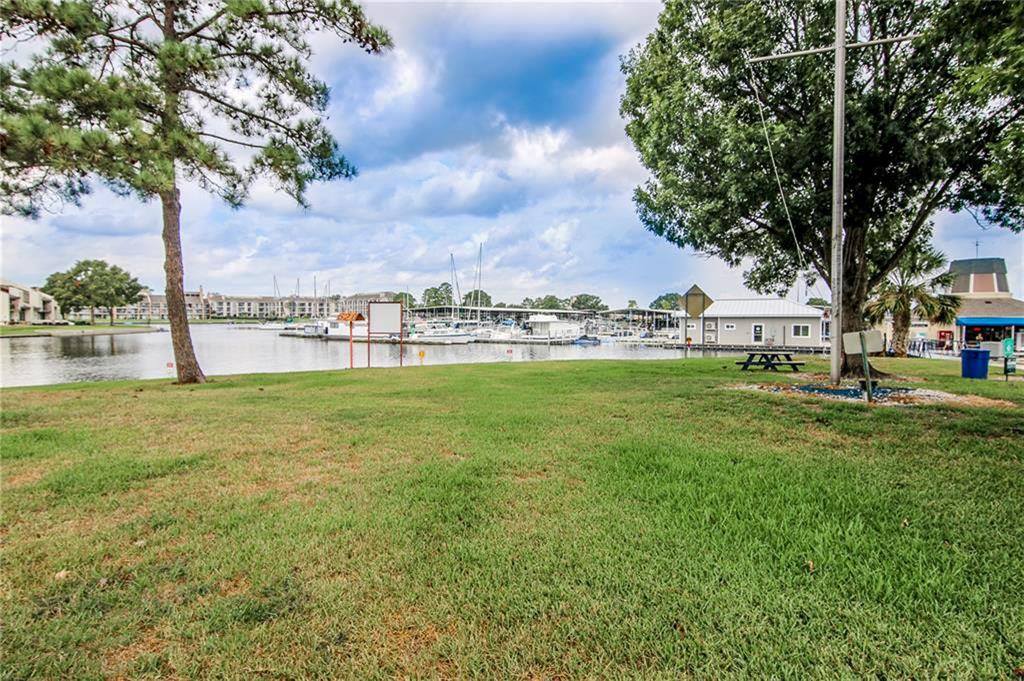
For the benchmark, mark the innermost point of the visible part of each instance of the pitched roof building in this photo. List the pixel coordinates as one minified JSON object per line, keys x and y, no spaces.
{"x":988,"y":312}
{"x":980,"y":277}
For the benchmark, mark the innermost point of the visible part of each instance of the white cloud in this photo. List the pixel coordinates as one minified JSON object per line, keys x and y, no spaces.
{"x":408,"y":77}
{"x":549,"y":195}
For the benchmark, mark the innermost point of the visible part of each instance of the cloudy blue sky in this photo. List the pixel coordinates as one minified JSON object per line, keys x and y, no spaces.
{"x":489,"y":123}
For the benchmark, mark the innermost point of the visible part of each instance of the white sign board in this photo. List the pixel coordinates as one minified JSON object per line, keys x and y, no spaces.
{"x":995,"y":349}
{"x":385,"y":318}
{"x":872,"y":339}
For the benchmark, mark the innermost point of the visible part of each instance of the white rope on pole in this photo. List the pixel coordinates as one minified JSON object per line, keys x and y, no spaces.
{"x":775,"y":168}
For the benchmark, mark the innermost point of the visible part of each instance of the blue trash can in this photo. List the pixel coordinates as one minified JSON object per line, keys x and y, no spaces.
{"x":974,"y":363}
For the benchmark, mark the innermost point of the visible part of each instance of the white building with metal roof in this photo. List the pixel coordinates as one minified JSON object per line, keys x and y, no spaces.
{"x":744,"y":322}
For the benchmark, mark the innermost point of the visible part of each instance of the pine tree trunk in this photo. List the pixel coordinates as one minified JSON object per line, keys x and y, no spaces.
{"x":181,"y":337}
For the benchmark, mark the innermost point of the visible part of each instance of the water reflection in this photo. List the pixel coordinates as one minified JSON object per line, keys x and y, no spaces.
{"x":224,"y":349}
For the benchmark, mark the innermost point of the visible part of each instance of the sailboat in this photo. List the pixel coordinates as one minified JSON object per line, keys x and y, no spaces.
{"x":445,"y":332}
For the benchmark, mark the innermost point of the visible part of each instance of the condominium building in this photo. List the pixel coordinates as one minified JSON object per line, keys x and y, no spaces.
{"x":24,"y":304}
{"x":202,"y":305}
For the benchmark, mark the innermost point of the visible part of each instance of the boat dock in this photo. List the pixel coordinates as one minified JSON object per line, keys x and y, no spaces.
{"x":666,"y":343}
{"x":421,"y":341}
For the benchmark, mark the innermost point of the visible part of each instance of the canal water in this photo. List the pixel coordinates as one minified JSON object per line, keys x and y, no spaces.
{"x":228,"y":349}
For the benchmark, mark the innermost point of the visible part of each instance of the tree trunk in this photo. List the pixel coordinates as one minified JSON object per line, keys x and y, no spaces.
{"x":92,"y":316}
{"x":900,"y":332}
{"x":181,"y":338}
{"x":112,"y":313}
{"x":854,"y":300}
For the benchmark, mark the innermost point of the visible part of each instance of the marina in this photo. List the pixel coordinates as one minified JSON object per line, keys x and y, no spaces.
{"x":235,"y":349}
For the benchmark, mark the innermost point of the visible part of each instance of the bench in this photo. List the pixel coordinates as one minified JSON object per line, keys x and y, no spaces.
{"x":769,"y":360}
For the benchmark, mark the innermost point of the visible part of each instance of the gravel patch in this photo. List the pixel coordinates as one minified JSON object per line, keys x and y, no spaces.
{"x":897,"y":396}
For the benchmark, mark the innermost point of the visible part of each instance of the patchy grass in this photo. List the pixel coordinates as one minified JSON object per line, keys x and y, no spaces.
{"x":539,"y":520}
{"x":26,"y":329}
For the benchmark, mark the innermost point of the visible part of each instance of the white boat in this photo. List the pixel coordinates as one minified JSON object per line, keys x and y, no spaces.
{"x":315,"y":329}
{"x":339,"y":330}
{"x":279,"y":326}
{"x":506,"y":330}
{"x":551,"y":328}
{"x":442,"y":334}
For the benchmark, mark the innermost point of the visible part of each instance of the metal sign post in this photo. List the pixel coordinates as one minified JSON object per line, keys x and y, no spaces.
{"x":695,"y":302}
{"x":867,"y":366}
{"x":863,"y":343}
{"x":1009,"y":359}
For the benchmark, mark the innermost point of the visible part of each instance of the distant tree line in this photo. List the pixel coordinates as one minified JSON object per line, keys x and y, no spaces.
{"x":441,"y":295}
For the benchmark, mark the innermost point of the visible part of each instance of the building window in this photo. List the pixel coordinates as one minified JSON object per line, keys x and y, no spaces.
{"x":691,"y":325}
{"x":801,"y":331}
{"x":730,"y":327}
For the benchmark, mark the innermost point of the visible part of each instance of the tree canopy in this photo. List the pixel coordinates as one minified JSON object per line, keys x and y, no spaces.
{"x":406,"y":299}
{"x":438,"y":295}
{"x":667,"y":301}
{"x":931,"y":124}
{"x":586,"y":301}
{"x":550,"y":302}
{"x":89,"y":284}
{"x":136,"y":92}
{"x":477,"y":297}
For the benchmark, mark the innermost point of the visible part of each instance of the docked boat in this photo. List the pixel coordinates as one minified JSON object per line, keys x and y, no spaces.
{"x":339,"y":330}
{"x":548,"y":327}
{"x":280,"y":326}
{"x":587,"y":340}
{"x":442,"y":334}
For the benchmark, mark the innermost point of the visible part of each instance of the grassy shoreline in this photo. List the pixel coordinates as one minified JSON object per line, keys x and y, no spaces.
{"x":539,"y":519}
{"x":60,"y":331}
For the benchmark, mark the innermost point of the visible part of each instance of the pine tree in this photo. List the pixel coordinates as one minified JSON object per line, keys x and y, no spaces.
{"x":147,"y":94}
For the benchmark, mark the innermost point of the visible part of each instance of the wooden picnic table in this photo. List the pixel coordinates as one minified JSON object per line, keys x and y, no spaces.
{"x":768,"y":359}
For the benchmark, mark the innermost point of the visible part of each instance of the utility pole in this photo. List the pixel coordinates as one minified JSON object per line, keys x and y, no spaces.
{"x":839,"y":49}
{"x":838,"y":151}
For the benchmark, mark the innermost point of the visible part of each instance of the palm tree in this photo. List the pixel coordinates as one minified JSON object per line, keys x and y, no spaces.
{"x":914,"y":289}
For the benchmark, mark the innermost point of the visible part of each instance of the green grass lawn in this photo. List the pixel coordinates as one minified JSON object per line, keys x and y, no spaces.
{"x":18,"y":329}
{"x":537,"y":520}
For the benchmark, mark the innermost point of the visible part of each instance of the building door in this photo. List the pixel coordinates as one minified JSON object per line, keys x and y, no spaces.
{"x":757,"y":334}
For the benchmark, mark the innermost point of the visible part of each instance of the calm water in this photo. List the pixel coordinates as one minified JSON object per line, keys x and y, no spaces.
{"x":229,"y":350}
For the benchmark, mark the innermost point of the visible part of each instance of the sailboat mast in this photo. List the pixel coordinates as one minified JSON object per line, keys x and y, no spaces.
{"x":451,"y":276}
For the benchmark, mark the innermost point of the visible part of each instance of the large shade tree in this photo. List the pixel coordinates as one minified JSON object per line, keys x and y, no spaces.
{"x":146,"y":94}
{"x":931,"y":124}
{"x":71,"y":291}
{"x":89,"y":284}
